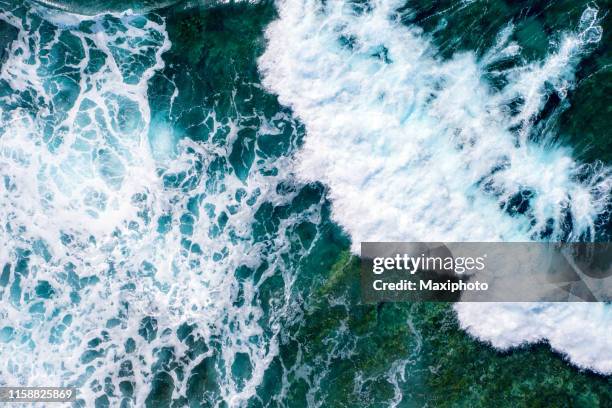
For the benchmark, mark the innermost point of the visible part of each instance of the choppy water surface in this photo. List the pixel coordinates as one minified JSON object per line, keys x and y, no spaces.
{"x":182,"y":189}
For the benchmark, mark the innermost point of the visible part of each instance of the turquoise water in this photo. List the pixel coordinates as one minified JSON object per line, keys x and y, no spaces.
{"x":184,"y":187}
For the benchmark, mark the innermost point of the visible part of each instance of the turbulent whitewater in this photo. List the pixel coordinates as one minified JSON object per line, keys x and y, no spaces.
{"x":165,"y":227}
{"x":128,"y":252}
{"x":416,"y":148}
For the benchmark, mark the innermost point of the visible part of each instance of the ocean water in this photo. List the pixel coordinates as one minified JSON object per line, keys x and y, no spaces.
{"x":185,"y":186}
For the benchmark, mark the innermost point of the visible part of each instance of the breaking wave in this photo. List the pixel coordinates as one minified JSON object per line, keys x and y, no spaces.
{"x":417,"y":148}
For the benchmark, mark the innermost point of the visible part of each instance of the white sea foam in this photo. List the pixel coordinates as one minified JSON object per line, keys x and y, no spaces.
{"x":418,"y":148}
{"x":581,"y":331}
{"x":88,"y":205}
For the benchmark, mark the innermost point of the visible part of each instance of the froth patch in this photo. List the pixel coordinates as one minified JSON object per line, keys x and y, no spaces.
{"x":580,"y":331}
{"x":415,"y":148}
